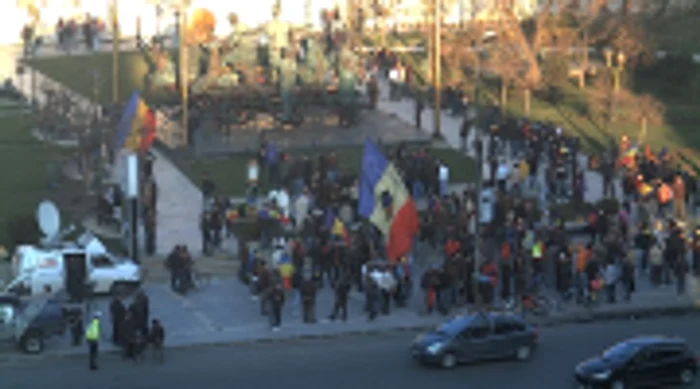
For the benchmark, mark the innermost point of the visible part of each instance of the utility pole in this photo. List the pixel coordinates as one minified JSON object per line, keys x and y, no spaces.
{"x":437,"y":82}
{"x":479,"y":145}
{"x":115,"y":52}
{"x":184,"y":74}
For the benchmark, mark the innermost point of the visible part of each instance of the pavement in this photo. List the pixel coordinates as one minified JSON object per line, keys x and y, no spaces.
{"x":354,"y":362}
{"x":223,"y":313}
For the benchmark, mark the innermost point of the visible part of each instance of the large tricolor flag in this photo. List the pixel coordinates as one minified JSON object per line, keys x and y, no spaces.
{"x":385,"y":201}
{"x":136,"y":129}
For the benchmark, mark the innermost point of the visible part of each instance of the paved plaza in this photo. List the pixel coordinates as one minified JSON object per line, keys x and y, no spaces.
{"x":224,"y":311}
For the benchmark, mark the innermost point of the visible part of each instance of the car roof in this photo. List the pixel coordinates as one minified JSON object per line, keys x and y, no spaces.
{"x":650,"y":340}
{"x":470,"y":317}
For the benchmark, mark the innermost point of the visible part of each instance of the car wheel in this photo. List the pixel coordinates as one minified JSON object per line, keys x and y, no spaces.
{"x":33,"y":343}
{"x":448,"y":361}
{"x":617,"y":385}
{"x":523,"y":353}
{"x":687,"y":377}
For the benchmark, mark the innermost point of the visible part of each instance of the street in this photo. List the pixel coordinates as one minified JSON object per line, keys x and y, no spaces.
{"x":351,"y":362}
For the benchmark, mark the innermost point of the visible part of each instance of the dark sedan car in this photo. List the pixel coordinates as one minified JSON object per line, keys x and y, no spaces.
{"x":475,"y":337}
{"x":648,"y":361}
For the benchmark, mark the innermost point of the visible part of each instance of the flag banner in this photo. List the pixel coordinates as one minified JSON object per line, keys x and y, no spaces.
{"x":136,"y":129}
{"x":385,"y":201}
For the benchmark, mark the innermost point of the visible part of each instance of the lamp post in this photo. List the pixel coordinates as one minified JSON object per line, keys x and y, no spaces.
{"x":621,"y":59}
{"x":478,"y":144}
{"x":115,"y":52}
{"x":437,"y":82}
{"x":179,"y":35}
{"x":183,"y":73}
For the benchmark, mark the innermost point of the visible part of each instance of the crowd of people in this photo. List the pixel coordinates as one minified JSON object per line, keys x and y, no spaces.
{"x":131,"y":328}
{"x":69,"y":33}
{"x":514,"y":252}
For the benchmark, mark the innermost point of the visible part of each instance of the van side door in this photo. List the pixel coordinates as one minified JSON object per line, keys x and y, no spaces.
{"x":102,"y":274}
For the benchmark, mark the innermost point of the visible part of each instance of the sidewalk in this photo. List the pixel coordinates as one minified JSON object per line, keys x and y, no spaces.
{"x":224,"y":314}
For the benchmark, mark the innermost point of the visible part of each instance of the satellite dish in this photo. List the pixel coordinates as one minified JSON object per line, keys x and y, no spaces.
{"x":49,"y":218}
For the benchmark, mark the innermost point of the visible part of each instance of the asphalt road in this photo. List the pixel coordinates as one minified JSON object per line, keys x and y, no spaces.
{"x":369,"y":362}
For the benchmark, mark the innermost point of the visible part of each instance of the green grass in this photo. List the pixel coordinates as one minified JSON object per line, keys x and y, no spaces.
{"x":230,"y":173}
{"x":23,"y":167}
{"x":677,"y":33}
{"x":76,"y":72}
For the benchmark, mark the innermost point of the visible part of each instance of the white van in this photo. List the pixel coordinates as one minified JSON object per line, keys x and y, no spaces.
{"x":37,"y":270}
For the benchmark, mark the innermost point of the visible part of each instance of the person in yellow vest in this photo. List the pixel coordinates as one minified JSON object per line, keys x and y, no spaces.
{"x":92,"y":336}
{"x":538,"y":257}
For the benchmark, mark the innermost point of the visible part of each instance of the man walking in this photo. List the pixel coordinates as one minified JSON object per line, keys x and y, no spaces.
{"x":92,"y":336}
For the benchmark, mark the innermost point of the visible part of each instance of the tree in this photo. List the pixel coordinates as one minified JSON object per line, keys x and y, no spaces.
{"x":623,"y":106}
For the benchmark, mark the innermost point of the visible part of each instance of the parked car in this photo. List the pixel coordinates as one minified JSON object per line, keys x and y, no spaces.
{"x":27,"y":323}
{"x":645,"y":361}
{"x":476,"y":337}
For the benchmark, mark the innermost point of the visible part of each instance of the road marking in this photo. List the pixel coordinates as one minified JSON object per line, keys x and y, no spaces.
{"x":205,"y":320}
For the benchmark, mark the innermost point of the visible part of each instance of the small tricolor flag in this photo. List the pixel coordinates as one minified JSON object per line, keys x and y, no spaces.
{"x":136,"y":129}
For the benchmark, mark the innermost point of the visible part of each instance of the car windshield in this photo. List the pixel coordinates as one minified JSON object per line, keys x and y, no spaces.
{"x":452,"y":326}
{"x":620,"y":352}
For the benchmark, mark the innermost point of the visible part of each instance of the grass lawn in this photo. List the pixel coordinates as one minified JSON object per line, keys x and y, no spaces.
{"x":75,"y":71}
{"x":24,"y":166}
{"x":677,"y":33}
{"x":230,"y":173}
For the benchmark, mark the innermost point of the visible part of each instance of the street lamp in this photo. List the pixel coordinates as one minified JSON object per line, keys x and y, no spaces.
{"x":621,"y":59}
{"x":479,"y":149}
{"x":115,"y":52}
{"x":436,"y":64}
{"x":183,"y":72}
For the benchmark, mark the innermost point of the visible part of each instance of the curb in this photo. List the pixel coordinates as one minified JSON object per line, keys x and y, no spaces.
{"x":686,"y":309}
{"x":282,"y":338}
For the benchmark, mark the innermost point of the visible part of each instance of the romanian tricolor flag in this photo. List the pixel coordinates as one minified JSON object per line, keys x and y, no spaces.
{"x":628,"y":159}
{"x":385,"y":201}
{"x":272,"y":214}
{"x":136,"y":129}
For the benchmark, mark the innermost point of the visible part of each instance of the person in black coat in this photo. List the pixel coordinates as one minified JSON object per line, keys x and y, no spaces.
{"x":129,"y":336}
{"x":156,"y":338}
{"x":141,"y":310}
{"x":117,"y":312}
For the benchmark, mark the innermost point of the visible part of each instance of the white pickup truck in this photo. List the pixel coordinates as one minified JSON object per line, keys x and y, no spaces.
{"x":36,"y":270}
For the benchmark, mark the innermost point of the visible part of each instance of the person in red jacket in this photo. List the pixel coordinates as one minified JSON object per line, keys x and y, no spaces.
{"x":489,"y":272}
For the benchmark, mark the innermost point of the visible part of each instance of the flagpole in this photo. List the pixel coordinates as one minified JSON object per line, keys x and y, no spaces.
{"x":115,"y":52}
{"x":184,"y":74}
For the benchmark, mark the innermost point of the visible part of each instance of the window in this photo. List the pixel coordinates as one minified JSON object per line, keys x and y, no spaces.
{"x":665,"y":354}
{"x":477,"y":331}
{"x":102,"y":261}
{"x":503,"y":327}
